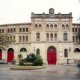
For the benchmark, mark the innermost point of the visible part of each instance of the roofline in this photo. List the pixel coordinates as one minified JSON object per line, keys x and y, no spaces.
{"x":78,"y":24}
{"x":15,"y":24}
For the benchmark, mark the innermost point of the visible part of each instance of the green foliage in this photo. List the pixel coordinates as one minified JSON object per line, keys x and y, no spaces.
{"x":35,"y":59}
{"x":5,"y":41}
{"x":38,"y":61}
{"x":20,"y":56}
{"x":31,"y":58}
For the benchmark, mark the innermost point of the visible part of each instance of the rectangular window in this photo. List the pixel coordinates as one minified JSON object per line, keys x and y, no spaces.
{"x":26,"y":38}
{"x":14,"y":30}
{"x":75,"y":29}
{"x":20,"y":29}
{"x":65,"y":53}
{"x":23,"y":29}
{"x":8,"y":30}
{"x":23,"y":38}
{"x":73,"y":38}
{"x":19,"y":38}
{"x":2,"y":30}
{"x":11,"y":30}
{"x":26,"y":29}
{"x":65,"y":36}
{"x":13,"y":37}
{"x":72,"y":29}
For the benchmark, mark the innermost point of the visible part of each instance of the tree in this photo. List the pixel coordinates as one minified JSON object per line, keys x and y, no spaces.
{"x":21,"y":61}
{"x":5,"y":41}
{"x":20,"y":56}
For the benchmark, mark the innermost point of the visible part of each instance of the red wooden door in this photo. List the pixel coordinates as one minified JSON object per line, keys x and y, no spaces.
{"x":51,"y":57}
{"x":10,"y":56}
{"x":0,"y":55}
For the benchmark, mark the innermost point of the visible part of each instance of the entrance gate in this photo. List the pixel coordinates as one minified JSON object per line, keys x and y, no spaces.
{"x":10,"y":55}
{"x":51,"y":55}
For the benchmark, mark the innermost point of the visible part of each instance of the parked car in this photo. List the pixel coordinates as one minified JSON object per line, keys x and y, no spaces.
{"x":3,"y":62}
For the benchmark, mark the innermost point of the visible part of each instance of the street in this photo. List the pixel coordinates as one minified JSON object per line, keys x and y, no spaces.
{"x":52,"y":72}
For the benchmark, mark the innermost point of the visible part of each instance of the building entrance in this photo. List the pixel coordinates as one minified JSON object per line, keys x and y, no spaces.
{"x":51,"y":55}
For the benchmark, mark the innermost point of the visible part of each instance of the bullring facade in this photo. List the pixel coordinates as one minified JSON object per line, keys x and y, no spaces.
{"x":51,"y":36}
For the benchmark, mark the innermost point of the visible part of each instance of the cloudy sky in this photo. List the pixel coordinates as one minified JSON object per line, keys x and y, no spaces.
{"x":19,"y":11}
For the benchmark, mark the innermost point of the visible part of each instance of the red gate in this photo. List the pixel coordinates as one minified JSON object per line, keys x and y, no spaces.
{"x":0,"y":55}
{"x":51,"y":55}
{"x":10,"y":55}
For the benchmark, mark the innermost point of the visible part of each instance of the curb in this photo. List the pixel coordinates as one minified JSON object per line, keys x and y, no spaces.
{"x":27,"y":67}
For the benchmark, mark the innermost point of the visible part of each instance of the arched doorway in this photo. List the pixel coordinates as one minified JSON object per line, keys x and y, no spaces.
{"x":10,"y":55}
{"x":51,"y":55}
{"x":0,"y":54}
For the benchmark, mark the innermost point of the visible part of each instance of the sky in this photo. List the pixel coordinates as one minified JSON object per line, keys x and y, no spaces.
{"x":19,"y":11}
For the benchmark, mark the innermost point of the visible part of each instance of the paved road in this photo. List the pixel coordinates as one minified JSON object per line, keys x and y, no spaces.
{"x":59,"y":72}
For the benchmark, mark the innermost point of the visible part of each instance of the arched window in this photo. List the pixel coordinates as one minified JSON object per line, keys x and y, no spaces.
{"x":39,"y":25}
{"x":47,"y":37}
{"x":65,"y":36}
{"x":76,"y":50}
{"x":37,"y":36}
{"x":36,"y":25}
{"x":65,"y":53}
{"x":55,"y":36}
{"x":55,"y":26}
{"x":51,"y":36}
{"x":23,"y":50}
{"x":23,"y":29}
{"x":38,"y":52}
{"x":26,"y":29}
{"x":51,"y":26}
{"x":47,"y":26}
{"x":67,"y":26}
{"x":63,"y":26}
{"x":10,"y":50}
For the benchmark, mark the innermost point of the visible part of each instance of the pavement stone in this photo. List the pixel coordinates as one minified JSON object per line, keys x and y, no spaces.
{"x":51,"y":72}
